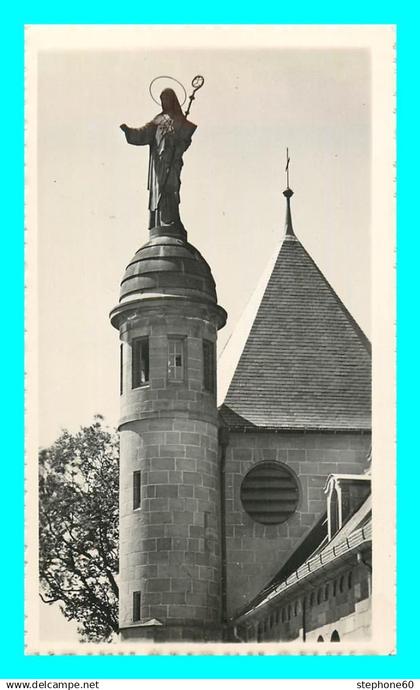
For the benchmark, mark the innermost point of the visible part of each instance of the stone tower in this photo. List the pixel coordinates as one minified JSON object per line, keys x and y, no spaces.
{"x":170,"y":559}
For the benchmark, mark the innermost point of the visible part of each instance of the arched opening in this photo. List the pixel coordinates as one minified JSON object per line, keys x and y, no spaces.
{"x":320,"y":639}
{"x":335,"y":637}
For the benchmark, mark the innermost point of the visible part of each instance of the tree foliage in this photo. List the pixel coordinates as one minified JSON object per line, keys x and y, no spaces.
{"x":78,"y":528}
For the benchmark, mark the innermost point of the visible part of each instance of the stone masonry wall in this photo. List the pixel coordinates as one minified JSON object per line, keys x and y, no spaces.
{"x":160,"y":397}
{"x":170,"y":545}
{"x":256,"y":552}
{"x":170,"y":549}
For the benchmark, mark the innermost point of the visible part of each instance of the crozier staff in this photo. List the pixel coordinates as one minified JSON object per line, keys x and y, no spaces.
{"x":168,"y":135}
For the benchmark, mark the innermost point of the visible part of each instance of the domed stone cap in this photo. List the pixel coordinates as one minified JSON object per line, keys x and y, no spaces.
{"x":167,"y":266}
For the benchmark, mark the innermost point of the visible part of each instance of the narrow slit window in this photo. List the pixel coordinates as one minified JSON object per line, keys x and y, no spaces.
{"x":140,"y":362}
{"x":136,"y":489}
{"x":176,"y":357}
{"x":136,"y":606}
{"x":209,"y":367}
{"x":121,"y":369}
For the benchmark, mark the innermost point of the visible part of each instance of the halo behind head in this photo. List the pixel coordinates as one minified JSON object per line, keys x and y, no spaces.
{"x":159,"y":84}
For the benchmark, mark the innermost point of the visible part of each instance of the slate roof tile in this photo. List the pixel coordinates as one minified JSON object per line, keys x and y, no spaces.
{"x":306,"y":363}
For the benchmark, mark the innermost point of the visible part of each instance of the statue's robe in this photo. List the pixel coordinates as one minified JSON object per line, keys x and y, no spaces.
{"x":168,"y":138}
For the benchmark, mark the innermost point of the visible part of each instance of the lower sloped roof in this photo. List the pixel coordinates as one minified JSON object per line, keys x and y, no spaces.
{"x":356,"y":533}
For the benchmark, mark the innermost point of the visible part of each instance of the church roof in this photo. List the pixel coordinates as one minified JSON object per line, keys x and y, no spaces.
{"x":306,"y":363}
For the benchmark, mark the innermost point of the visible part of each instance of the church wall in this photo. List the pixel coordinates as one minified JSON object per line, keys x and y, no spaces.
{"x":256,"y":552}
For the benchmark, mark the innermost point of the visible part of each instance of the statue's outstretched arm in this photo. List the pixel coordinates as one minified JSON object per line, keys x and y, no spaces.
{"x":139,"y":136}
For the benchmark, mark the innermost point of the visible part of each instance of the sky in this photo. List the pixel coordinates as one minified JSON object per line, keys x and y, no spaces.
{"x":262,"y":93}
{"x":92,"y":197}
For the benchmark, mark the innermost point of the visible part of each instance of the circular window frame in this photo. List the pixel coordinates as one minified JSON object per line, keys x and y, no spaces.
{"x":273,"y":466}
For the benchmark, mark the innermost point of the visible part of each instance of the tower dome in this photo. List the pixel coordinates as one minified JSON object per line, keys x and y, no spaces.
{"x":167,"y":265}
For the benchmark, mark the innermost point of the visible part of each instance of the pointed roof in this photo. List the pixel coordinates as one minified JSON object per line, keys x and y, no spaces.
{"x":306,"y":363}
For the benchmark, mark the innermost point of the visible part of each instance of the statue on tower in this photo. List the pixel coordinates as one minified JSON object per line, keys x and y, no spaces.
{"x":168,"y":135}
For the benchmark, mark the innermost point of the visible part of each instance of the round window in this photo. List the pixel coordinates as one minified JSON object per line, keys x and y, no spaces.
{"x":270,"y":493}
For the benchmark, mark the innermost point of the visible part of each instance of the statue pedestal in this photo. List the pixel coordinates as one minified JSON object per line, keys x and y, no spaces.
{"x":173,"y":230}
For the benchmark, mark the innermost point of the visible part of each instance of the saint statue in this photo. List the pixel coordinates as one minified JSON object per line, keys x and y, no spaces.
{"x":168,"y":136}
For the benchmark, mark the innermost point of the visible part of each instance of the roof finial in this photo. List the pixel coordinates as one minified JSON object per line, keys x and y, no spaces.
{"x":288,"y":193}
